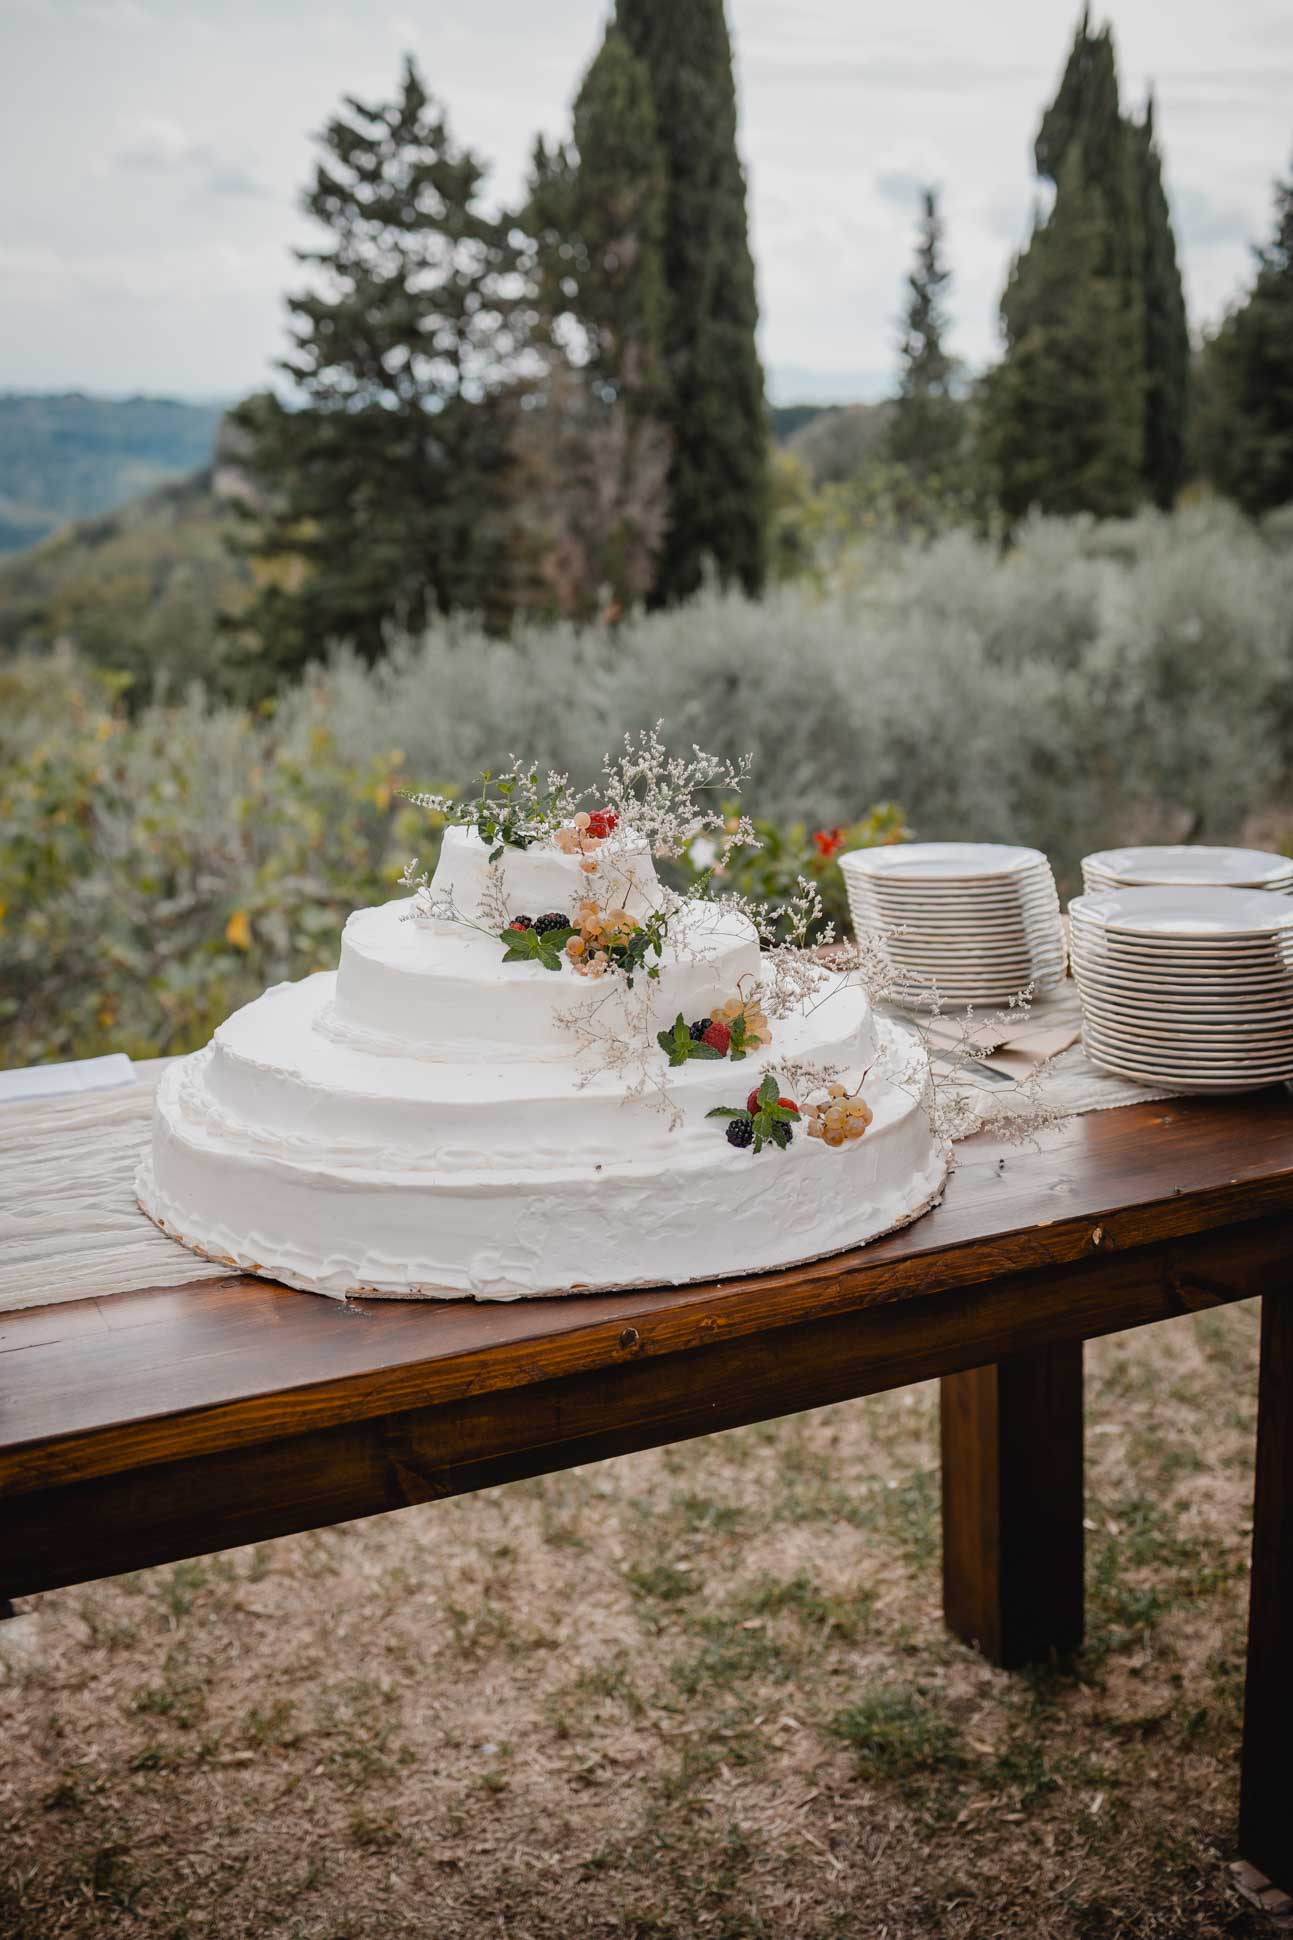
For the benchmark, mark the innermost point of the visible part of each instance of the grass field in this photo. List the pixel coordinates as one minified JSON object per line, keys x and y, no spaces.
{"x":700,"y":1692}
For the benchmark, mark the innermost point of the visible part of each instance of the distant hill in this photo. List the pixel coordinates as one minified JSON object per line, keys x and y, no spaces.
{"x":834,"y":443}
{"x":784,"y":420}
{"x":71,"y":456}
{"x":140,"y":588}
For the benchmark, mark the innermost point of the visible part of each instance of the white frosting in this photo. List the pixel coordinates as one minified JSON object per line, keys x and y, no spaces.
{"x":446,"y":993}
{"x":538,"y":880}
{"x":422,"y":1123}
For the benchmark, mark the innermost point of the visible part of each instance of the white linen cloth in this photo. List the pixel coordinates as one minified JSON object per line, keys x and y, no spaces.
{"x":70,"y":1228}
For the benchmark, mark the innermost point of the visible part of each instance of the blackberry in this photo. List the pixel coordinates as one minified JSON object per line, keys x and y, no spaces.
{"x":552,"y":921}
{"x":697,"y":1030}
{"x":521,"y":923}
{"x":740,"y":1131}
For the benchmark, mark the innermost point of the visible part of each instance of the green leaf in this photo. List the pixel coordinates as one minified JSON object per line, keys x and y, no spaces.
{"x":728,"y":1111}
{"x":769,"y":1092}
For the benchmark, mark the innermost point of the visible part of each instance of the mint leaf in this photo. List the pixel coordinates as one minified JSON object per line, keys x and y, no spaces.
{"x":728,"y":1111}
{"x":527,"y":946}
{"x":676,"y":1043}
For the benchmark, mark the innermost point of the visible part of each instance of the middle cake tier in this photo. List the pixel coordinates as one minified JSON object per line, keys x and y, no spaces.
{"x":275,"y":1079}
{"x":444,"y":992}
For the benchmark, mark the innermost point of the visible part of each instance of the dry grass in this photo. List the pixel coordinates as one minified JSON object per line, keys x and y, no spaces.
{"x":701,"y":1692}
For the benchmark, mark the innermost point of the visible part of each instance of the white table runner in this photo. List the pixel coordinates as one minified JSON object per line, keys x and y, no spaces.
{"x":70,"y":1228}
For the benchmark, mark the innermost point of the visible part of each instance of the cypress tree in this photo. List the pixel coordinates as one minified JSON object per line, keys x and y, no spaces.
{"x":1118,"y":163}
{"x":718,"y":482}
{"x":925,"y":431}
{"x":383,"y":486}
{"x":599,"y":214}
{"x":1059,"y":431}
{"x":593,"y":439}
{"x":1250,"y":370}
{"x":1167,"y":330}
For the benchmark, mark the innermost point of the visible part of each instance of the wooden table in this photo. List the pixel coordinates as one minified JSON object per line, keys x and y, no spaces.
{"x":152,"y":1426}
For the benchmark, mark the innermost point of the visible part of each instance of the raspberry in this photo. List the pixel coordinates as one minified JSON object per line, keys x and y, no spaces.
{"x":752,"y":1103}
{"x":601,"y":822}
{"x":717,"y":1036}
{"x":552,"y":921}
{"x":521,"y":923}
{"x":740,"y":1132}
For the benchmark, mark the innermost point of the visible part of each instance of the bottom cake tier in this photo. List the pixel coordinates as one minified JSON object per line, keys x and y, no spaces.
{"x":280,"y":1152}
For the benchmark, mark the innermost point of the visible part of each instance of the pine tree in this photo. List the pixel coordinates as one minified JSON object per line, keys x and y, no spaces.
{"x":1250,"y":365}
{"x":718,"y":480}
{"x":925,"y":433}
{"x":382,"y":484}
{"x":1060,"y":431}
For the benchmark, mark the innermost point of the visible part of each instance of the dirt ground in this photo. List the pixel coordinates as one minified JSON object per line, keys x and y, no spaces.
{"x":701,"y":1692}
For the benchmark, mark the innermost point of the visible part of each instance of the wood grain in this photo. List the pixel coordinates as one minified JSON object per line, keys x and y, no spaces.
{"x":1012,"y":1504}
{"x":91,"y":1389}
{"x":186,"y":1501}
{"x":1266,"y":1771}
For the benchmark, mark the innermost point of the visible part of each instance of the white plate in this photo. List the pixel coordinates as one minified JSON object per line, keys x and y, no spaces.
{"x":938,"y":889}
{"x":1152,"y":1057}
{"x":966,"y":862}
{"x":1166,"y":1003}
{"x":967,"y":952}
{"x":1186,"y":1058}
{"x":1240,"y":966}
{"x":1229,"y":967}
{"x":1186,"y":1082}
{"x":1189,"y":862}
{"x":1187,"y":912}
{"x":1191,"y":1035}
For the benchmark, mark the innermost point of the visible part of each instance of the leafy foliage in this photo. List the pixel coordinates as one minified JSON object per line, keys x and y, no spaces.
{"x":1130,"y":681}
{"x":140,"y":591}
{"x":1249,"y":369}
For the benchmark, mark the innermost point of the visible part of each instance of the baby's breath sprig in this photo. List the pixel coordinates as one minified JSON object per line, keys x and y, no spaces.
{"x":514,"y":809}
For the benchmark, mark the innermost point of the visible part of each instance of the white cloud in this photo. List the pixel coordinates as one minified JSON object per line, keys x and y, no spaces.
{"x":154,"y":145}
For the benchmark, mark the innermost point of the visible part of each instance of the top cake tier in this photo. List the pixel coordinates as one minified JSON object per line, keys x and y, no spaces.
{"x":537,"y":880}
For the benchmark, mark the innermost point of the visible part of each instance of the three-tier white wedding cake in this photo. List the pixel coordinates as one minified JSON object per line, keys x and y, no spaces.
{"x":488,"y":1099}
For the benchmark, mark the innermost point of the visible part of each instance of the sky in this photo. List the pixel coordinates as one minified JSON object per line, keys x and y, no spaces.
{"x":153,"y":153}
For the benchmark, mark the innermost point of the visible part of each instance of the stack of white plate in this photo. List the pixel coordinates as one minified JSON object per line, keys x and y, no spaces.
{"x":969,"y":922}
{"x":1189,"y":988}
{"x":1223,"y":868}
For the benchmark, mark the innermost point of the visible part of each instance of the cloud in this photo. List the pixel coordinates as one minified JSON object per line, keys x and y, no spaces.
{"x":156,"y":146}
{"x":897,"y":186}
{"x":1205,"y":224}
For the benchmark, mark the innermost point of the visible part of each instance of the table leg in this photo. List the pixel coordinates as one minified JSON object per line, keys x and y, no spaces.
{"x":1012,"y":1504}
{"x":1266,"y":1771}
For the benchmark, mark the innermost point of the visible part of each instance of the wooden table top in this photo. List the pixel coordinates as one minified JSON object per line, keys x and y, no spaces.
{"x":94,"y":1388}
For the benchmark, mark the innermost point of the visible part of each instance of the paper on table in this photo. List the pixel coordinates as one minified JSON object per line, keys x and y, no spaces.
{"x":1014,"y":1050}
{"x":61,"y":1080}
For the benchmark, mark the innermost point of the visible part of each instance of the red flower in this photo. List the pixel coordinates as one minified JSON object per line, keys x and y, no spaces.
{"x":829,"y":842}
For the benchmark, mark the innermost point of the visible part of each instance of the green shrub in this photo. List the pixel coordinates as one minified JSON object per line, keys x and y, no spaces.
{"x":1095,"y":684}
